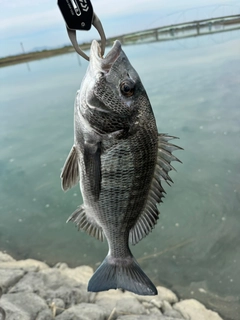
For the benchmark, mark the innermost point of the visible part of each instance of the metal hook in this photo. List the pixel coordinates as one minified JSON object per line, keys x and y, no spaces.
{"x":73,"y":38}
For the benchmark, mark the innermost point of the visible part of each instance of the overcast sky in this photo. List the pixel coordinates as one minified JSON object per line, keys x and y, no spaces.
{"x":39,"y":23}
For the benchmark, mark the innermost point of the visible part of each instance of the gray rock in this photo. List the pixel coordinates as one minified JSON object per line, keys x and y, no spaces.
{"x":109,"y":299}
{"x":52,"y":284}
{"x":129,"y":305}
{"x":9,"y":277}
{"x":35,"y":291}
{"x":172,"y":318}
{"x":56,"y":305}
{"x":156,"y":302}
{"x":26,"y":265}
{"x":20,"y":306}
{"x":153,"y":300}
{"x":69,"y":295}
{"x":31,"y":282}
{"x":4,"y":257}
{"x":61,"y":265}
{"x":45,"y":315}
{"x":121,"y":303}
{"x":81,"y":274}
{"x":84,"y":311}
{"x":194,"y":310}
{"x":167,"y":295}
{"x":146,"y":317}
{"x":154,"y":311}
{"x":147,"y":305}
{"x":141,"y":317}
{"x":14,"y":312}
{"x":163,"y":294}
{"x":174,"y":314}
{"x":166,"y":307}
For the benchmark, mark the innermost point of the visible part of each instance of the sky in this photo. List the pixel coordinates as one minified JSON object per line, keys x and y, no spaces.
{"x":39,"y":24}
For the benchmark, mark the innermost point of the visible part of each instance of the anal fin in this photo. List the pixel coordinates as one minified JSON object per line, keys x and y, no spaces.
{"x":70,"y":172}
{"x":80,"y":218}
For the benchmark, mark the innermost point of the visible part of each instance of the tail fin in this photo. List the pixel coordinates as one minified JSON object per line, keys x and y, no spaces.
{"x":124,"y":274}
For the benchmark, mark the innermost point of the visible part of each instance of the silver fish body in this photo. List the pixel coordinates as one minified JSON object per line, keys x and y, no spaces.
{"x":120,"y":160}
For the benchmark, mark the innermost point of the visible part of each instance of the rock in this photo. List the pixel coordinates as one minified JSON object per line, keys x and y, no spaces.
{"x":120,"y":302}
{"x":167,"y":295}
{"x":70,"y":296}
{"x":194,"y":310}
{"x":166,"y":307}
{"x":14,"y":312}
{"x":61,"y":265}
{"x":52,"y":284}
{"x":169,"y":313}
{"x":156,"y":302}
{"x":173,"y":314}
{"x":4,"y":257}
{"x":154,"y":311}
{"x":31,"y":282}
{"x":163,"y":294}
{"x":9,"y":277}
{"x":81,"y":274}
{"x":56,"y":305}
{"x":111,"y":296}
{"x":33,"y":290}
{"x":84,"y":311}
{"x":141,"y":317}
{"x":147,"y":305}
{"x":25,"y":306}
{"x":129,"y":305}
{"x":172,"y":318}
{"x":26,"y":265}
{"x":45,"y":315}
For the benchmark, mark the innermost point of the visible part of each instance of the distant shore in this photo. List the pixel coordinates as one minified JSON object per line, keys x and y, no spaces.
{"x":27,"y":57}
{"x":163,"y":33}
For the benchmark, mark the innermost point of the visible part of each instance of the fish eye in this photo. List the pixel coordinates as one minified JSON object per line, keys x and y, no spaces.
{"x":127,"y":88}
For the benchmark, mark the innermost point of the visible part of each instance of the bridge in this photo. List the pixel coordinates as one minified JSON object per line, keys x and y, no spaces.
{"x":167,"y":33}
{"x":181,"y":30}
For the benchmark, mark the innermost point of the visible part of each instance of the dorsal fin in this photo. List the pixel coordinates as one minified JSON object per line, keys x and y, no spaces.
{"x":149,"y":216}
{"x":80,"y":218}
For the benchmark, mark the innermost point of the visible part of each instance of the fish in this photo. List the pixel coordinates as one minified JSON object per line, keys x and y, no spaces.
{"x":120,"y":160}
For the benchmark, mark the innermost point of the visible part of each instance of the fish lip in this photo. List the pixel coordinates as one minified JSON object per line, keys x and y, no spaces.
{"x":104,"y":64}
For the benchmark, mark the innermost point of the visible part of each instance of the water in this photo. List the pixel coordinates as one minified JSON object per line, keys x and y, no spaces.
{"x":193,"y":86}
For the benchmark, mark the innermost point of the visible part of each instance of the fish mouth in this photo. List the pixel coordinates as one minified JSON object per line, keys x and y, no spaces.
{"x":100,"y":63}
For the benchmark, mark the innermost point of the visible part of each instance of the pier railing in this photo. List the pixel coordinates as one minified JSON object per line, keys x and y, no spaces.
{"x":165,"y":33}
{"x":182,"y":30}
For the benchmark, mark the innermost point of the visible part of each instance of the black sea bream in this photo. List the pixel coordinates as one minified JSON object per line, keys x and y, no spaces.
{"x":120,"y":160}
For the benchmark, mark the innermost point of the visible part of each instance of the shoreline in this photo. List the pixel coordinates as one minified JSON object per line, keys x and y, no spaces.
{"x":37,"y":55}
{"x":33,"y":290}
{"x":163,"y":33}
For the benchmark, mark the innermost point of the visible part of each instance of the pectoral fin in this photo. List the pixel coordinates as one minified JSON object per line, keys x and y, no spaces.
{"x":70,"y":172}
{"x":92,"y":161}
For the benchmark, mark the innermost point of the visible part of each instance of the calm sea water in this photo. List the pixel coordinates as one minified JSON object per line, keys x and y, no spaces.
{"x":193,"y":86}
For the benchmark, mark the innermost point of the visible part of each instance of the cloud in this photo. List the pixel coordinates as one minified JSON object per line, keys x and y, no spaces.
{"x":40,"y":22}
{"x":105,"y":8}
{"x":32,"y":21}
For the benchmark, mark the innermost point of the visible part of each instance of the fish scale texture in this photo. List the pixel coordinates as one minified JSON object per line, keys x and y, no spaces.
{"x":121,"y":159}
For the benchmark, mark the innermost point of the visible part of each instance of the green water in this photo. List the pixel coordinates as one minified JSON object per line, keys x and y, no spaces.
{"x":194,"y":88}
